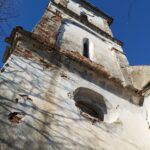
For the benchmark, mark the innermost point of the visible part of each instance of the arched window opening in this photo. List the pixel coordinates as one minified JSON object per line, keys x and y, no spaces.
{"x":91,"y":104}
{"x":86,"y":47}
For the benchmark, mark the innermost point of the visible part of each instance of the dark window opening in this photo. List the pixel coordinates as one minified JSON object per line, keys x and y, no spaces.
{"x":89,"y":111}
{"x":86,"y":48}
{"x":91,"y":104}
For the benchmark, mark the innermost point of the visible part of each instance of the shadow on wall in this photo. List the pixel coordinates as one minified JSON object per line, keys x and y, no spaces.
{"x":26,"y":119}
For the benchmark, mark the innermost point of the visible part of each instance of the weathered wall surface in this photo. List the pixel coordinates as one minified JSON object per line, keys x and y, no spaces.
{"x":38,"y":110}
{"x":140,"y":75}
{"x":93,"y":17}
{"x":47,"y":79}
{"x":100,"y":51}
{"x":62,"y":30}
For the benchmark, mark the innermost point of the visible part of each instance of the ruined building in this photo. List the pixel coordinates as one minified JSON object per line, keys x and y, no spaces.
{"x":67,"y":85}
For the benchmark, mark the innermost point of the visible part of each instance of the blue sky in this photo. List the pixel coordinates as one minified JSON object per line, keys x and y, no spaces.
{"x":131,"y":24}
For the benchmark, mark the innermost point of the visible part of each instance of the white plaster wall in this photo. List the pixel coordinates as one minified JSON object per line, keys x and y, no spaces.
{"x":71,"y":35}
{"x":67,"y":17}
{"x":146,"y":106}
{"x":52,"y":120}
{"x":92,"y":18}
{"x":71,"y":38}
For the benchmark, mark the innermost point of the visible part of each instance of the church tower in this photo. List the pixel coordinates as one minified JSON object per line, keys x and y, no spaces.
{"x":67,"y":85}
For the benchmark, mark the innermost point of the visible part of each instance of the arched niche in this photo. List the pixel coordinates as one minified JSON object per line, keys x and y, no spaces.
{"x":90,"y":103}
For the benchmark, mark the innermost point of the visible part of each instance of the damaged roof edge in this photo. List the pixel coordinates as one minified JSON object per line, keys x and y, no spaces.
{"x":136,"y":93}
{"x":93,"y":7}
{"x":138,"y":97}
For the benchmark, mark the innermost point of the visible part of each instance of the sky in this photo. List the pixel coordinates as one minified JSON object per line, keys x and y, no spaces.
{"x":131,"y":24}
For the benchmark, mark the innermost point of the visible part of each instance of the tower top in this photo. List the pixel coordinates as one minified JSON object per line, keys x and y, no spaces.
{"x":95,"y":9}
{"x":88,"y":14}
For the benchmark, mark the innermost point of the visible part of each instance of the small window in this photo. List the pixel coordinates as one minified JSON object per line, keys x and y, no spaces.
{"x":86,"y":47}
{"x":91,"y":104}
